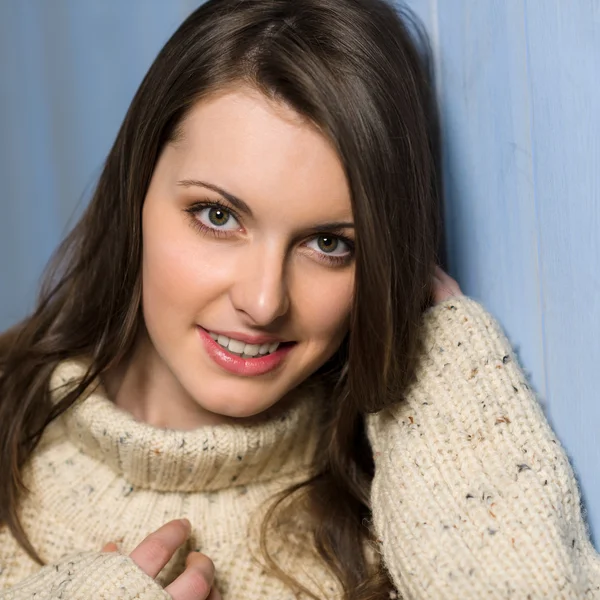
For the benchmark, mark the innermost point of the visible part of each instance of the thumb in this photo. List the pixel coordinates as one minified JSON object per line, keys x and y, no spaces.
{"x":110,"y":547}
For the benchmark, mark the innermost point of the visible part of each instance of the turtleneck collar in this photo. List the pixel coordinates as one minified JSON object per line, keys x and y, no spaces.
{"x":205,"y":459}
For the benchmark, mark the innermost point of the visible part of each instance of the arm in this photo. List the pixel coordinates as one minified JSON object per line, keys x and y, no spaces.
{"x":88,"y":575}
{"x":108,"y":575}
{"x":473,"y":495}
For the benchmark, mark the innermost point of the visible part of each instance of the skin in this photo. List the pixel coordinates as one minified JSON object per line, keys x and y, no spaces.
{"x":266,"y":275}
{"x":444,"y":287}
{"x":155,"y":551}
{"x":195,"y":583}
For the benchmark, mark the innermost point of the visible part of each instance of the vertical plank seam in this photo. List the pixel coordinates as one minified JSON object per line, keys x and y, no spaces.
{"x":541,"y":287}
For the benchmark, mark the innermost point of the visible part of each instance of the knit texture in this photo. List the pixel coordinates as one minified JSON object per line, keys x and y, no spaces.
{"x":473,"y":496}
{"x":86,"y":576}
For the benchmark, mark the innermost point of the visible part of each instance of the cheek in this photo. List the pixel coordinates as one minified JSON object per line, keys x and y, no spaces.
{"x":166,"y":279}
{"x":176,"y":276}
{"x":325,"y":307}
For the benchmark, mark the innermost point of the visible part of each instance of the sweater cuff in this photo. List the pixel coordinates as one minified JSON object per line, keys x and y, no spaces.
{"x":102,"y":576}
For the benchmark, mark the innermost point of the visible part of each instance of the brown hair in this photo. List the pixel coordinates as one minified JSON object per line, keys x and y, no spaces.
{"x":353,"y":69}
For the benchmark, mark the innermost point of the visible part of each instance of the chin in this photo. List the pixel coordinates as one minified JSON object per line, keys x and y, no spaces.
{"x":236,"y":407}
{"x":233,"y":411}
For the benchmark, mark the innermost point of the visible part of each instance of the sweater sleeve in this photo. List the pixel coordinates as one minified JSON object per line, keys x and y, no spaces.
{"x":473,"y":496}
{"x":101,"y":576}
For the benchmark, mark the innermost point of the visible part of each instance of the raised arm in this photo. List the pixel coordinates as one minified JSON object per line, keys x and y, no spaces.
{"x":473,"y":495}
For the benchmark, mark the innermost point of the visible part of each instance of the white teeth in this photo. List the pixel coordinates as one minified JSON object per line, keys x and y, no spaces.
{"x":241,"y":348}
{"x":236,"y":346}
{"x":251,"y":349}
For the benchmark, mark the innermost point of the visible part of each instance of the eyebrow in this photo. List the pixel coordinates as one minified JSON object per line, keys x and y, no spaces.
{"x":240,"y":205}
{"x":237,"y":202}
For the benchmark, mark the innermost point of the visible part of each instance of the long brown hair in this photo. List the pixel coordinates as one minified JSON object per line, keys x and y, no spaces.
{"x":353,"y":69}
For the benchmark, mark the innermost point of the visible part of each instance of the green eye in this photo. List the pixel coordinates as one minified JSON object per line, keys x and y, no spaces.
{"x":331,"y":247}
{"x":327,"y":243}
{"x":218,"y":216}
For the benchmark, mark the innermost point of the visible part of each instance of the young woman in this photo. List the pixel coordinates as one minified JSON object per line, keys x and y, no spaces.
{"x":245,"y":379}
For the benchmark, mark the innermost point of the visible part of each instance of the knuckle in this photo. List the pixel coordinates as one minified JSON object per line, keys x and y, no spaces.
{"x":196,"y":583}
{"x":201,"y":561}
{"x":156,"y":549}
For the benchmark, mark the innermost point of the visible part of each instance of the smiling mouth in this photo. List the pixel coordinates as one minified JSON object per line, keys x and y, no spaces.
{"x":244,"y":350}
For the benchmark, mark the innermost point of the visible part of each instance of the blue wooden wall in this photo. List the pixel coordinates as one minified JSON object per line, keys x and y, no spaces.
{"x":519,"y":89}
{"x":68,"y":70}
{"x":518,"y":83}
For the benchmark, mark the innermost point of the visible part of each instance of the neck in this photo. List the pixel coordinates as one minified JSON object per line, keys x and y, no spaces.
{"x":272,"y":445}
{"x":142,"y":381}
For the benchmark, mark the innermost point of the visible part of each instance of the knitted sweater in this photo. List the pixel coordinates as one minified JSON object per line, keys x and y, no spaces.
{"x":473,"y":497}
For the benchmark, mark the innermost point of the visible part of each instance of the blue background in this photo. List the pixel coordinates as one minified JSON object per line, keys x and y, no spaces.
{"x":519,"y":89}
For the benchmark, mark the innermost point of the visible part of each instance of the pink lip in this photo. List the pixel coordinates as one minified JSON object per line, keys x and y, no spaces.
{"x":247,"y":367}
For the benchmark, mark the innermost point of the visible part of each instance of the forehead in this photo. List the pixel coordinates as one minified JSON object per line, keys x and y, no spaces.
{"x":262,"y":151}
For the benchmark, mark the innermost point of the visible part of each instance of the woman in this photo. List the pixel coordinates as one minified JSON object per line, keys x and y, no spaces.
{"x":234,"y":384}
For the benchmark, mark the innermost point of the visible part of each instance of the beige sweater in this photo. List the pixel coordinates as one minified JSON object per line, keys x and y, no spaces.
{"x":473,"y":496}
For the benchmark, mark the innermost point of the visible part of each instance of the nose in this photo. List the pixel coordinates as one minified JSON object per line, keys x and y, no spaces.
{"x":260,"y":288}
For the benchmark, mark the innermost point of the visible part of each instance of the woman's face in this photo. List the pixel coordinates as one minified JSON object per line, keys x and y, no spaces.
{"x":247,"y":238}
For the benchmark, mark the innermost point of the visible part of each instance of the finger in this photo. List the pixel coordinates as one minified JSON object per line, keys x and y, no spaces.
{"x":446,"y":279}
{"x":439,"y":271}
{"x":442,"y":275}
{"x":446,"y":282}
{"x":440,"y":291}
{"x":155,"y":551}
{"x":110,"y":547}
{"x":196,"y":581}
{"x":214,"y":594}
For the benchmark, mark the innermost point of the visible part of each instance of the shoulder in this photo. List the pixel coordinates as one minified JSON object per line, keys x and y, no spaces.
{"x":467,"y":460}
{"x":469,"y":392}
{"x":464,"y":352}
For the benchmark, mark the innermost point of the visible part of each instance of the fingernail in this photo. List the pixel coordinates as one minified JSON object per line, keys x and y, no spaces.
{"x":186,"y":523}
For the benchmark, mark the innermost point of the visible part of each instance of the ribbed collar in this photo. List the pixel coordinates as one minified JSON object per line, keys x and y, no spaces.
{"x":205,"y":459}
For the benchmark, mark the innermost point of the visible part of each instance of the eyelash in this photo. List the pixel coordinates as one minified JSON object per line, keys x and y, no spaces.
{"x":193,"y":210}
{"x":199,"y":206}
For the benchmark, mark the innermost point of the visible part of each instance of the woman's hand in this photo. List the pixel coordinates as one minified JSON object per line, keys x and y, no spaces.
{"x":444,"y":286}
{"x":155,"y":551}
